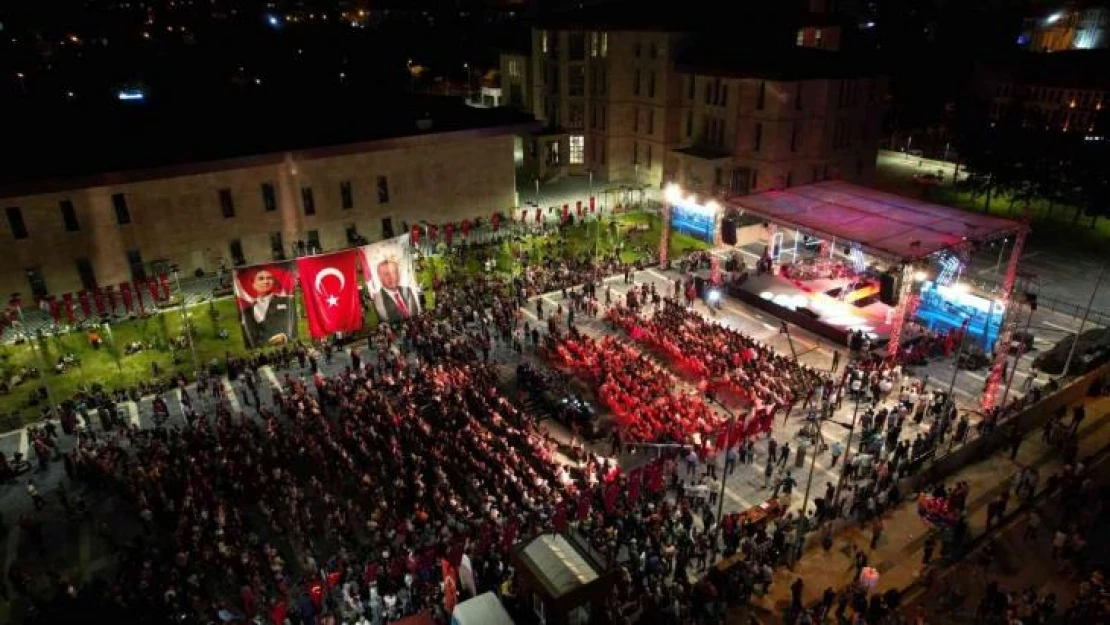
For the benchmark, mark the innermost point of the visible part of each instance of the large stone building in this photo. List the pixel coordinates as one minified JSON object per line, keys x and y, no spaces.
{"x":639,"y":104}
{"x":69,"y":233}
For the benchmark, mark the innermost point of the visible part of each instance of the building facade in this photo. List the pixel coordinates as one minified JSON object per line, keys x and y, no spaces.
{"x":67,"y":235}
{"x":629,"y":106}
{"x":1077,"y":25}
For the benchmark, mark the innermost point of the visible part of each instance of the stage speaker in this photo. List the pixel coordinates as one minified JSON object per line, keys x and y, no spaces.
{"x":890,"y":287}
{"x":728,"y":231}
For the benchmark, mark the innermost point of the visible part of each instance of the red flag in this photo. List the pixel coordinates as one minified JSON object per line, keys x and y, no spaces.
{"x":450,"y":586}
{"x":635,"y":477}
{"x":656,"y":483}
{"x":578,"y":208}
{"x":152,"y":286}
{"x":539,"y":215}
{"x":414,"y":238}
{"x":83,"y":297}
{"x":566,"y":211}
{"x":55,"y":310}
{"x":448,"y":233}
{"x":560,"y":520}
{"x":495,"y":221}
{"x":125,"y":294}
{"x":592,"y":204}
{"x":67,"y":301}
{"x":466,"y":227}
{"x":98,"y":299}
{"x":433,"y":232}
{"x":330,"y":290}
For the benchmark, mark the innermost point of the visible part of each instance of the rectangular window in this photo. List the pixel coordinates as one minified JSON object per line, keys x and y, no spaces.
{"x":346,"y":198}
{"x":135,"y":263}
{"x":636,"y":82}
{"x":387,"y":227}
{"x":593,"y":45}
{"x":576,"y":116}
{"x":123,"y":214}
{"x":576,"y":44}
{"x":514,"y":68}
{"x":794,"y":137}
{"x":651,"y":85}
{"x":635,"y":119}
{"x":269,"y":199}
{"x":235,"y":250}
{"x":604,"y":45}
{"x":277,"y":246}
{"x":798,"y":97}
{"x":576,"y":80}
{"x":602,"y":153}
{"x":15,"y":220}
{"x":818,"y":38}
{"x":577,"y":149}
{"x":653,"y":51}
{"x":761,"y":95}
{"x":636,"y":49}
{"x":308,"y":201}
{"x":543,"y":41}
{"x":314,"y":246}
{"x":724,"y":95}
{"x":649,"y":156}
{"x":383,"y":190}
{"x":601,"y":125}
{"x":689,"y":123}
{"x":651,"y":121}
{"x":69,"y":216}
{"x":227,"y":205}
{"x":37,"y":282}
{"x":635,"y":153}
{"x":757,"y":139}
{"x":690,"y":87}
{"x":708,"y":92}
{"x":800,"y":37}
{"x":85,"y":273}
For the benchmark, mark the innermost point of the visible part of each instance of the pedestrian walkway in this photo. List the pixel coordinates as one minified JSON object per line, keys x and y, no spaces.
{"x":899,"y":554}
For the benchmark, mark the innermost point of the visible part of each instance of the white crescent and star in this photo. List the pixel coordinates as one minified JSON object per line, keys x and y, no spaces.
{"x":332,"y":300}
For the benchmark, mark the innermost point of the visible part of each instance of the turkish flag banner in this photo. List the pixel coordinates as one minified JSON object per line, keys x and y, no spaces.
{"x":55,"y":310}
{"x":98,"y":301}
{"x":330,"y":288}
{"x":495,"y":221}
{"x":433,"y":232}
{"x":566,"y":212}
{"x":465,"y":226}
{"x":415,"y":236}
{"x":578,"y":208}
{"x":539,"y":215}
{"x":449,"y":232}
{"x":593,"y":204}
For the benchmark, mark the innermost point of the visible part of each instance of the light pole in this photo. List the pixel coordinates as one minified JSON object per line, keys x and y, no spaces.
{"x":1020,"y":353}
{"x":728,"y":444}
{"x":847,"y":451}
{"x":46,"y":368}
{"x":1083,"y":322}
{"x":185,"y":323}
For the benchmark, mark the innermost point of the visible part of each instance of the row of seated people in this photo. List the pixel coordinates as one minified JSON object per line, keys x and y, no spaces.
{"x":720,"y":356}
{"x":640,"y":393}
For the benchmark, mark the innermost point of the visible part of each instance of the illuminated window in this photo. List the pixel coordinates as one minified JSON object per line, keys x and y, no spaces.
{"x":800,"y":38}
{"x":604,"y":45}
{"x":577,"y":149}
{"x":543,"y":41}
{"x":514,"y":68}
{"x":593,"y":45}
{"x":818,"y":35}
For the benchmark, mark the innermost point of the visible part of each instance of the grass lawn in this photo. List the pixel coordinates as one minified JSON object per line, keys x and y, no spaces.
{"x":1053,"y":227}
{"x":109,"y":367}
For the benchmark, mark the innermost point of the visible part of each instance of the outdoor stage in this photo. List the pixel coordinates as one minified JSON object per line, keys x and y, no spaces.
{"x":819,"y":306}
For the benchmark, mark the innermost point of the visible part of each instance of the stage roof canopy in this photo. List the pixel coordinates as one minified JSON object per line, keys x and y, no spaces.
{"x":888,"y":225}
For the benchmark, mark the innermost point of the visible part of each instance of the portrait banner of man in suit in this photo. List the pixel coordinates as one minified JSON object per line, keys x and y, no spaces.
{"x":266,"y":309}
{"x":390,"y":277}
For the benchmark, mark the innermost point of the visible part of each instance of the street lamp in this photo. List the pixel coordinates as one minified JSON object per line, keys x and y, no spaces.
{"x":847,"y":449}
{"x":46,"y":368}
{"x":185,"y":323}
{"x":728,"y":441}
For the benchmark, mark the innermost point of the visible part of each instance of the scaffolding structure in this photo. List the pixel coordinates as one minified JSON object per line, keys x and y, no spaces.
{"x":1006,"y":333}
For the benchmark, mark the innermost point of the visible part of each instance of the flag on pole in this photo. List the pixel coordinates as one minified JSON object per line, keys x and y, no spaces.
{"x":330,"y":289}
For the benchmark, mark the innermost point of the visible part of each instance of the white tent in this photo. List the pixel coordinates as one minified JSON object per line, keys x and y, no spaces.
{"x":481,"y":610}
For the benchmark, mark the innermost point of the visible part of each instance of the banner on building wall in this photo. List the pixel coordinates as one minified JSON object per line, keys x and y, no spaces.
{"x":266,"y":310}
{"x":390,"y":275}
{"x":329,"y":285}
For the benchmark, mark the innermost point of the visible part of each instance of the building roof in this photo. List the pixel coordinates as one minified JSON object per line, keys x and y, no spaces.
{"x":558,"y":565}
{"x":724,"y":57}
{"x":74,"y":149}
{"x":888,"y":225}
{"x":485,"y":609}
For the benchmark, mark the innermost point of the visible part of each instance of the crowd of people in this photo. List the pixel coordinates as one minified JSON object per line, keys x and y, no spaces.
{"x":640,"y":393}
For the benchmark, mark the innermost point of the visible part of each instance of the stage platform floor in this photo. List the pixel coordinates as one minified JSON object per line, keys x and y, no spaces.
{"x":812,"y":294}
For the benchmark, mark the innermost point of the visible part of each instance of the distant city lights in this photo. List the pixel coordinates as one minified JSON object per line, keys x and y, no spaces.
{"x":1052,"y":19}
{"x":273,"y":20}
